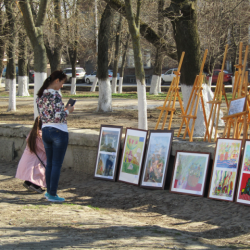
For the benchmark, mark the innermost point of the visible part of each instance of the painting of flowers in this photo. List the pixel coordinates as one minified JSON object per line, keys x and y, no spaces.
{"x":225,"y":169}
{"x":189,"y":175}
{"x":157,"y":158}
{"x":132,"y":156}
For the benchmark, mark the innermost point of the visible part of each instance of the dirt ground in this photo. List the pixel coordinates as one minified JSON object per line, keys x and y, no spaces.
{"x":111,"y":215}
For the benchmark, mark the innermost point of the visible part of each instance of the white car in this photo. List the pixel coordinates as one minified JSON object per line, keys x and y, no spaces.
{"x":90,"y":78}
{"x":80,"y":73}
{"x":168,"y":76}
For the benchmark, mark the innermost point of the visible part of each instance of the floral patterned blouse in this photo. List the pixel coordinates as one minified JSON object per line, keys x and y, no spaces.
{"x":51,"y":107}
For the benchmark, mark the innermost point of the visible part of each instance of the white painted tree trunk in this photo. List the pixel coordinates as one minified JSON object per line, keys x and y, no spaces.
{"x":12,"y":95}
{"x":142,"y":105}
{"x":1,"y":80}
{"x":93,"y":87}
{"x":200,"y":127}
{"x":159,"y":85}
{"x":154,"y":85}
{"x":114,"y":84}
{"x":233,"y":79}
{"x":210,"y":81}
{"x":120,"y":85}
{"x":105,"y":96}
{"x":23,"y":86}
{"x":73,"y":86}
{"x":39,"y":79}
{"x":7,"y":84}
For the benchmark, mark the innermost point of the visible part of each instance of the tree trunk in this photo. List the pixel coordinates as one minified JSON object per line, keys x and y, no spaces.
{"x":73,"y":55}
{"x":2,"y":41}
{"x":11,"y":53}
{"x":117,"y":55}
{"x":105,"y":97}
{"x":123,"y":64}
{"x":134,"y":28}
{"x":55,"y":53}
{"x":22,"y":65}
{"x":93,"y":87}
{"x":34,"y":31}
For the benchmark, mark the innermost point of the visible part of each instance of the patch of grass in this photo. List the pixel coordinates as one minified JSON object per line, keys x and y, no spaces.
{"x":96,"y":208}
{"x":34,"y":206}
{"x":69,"y":204}
{"x":177,"y":233}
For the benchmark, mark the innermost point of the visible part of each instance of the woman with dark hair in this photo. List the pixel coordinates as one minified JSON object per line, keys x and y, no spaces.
{"x":31,"y":167}
{"x":55,"y":132}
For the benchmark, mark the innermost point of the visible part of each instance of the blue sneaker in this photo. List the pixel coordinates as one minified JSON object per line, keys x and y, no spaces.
{"x":55,"y":198}
{"x":46,"y":195}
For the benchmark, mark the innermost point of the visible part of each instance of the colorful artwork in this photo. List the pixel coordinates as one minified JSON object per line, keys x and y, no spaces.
{"x":246,"y":166}
{"x":190,"y":172}
{"x":243,"y":194}
{"x":244,"y":191}
{"x":227,"y":155}
{"x":223,"y":183}
{"x":109,"y":141}
{"x":133,"y":151}
{"x":108,"y":150}
{"x":156,"y":159}
{"x":106,"y":165}
{"x":132,"y":156}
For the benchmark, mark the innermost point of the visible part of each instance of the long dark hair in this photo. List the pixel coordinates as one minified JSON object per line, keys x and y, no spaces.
{"x":57,"y":74}
{"x":33,"y":134}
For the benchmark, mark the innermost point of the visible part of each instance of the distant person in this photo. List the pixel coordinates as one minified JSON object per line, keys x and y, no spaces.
{"x":55,"y":131}
{"x":31,"y":167}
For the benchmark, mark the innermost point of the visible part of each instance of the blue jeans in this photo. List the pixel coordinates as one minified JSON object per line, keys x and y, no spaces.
{"x":55,"y":143}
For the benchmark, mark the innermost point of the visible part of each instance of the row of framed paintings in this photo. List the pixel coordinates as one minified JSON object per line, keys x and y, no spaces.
{"x":148,"y":167}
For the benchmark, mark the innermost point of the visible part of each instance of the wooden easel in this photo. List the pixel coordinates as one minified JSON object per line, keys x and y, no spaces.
{"x":196,"y":95}
{"x":216,"y":102}
{"x":239,"y":121}
{"x":173,"y":92}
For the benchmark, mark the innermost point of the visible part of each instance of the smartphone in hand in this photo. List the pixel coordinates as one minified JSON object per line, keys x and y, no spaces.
{"x":71,"y":102}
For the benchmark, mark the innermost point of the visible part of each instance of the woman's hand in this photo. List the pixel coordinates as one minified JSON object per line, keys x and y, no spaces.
{"x":70,"y":108}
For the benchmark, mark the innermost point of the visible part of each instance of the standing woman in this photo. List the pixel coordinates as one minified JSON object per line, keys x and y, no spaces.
{"x":54,"y":129}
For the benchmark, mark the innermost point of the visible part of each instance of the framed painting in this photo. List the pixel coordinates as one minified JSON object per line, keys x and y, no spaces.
{"x":108,"y":152}
{"x":132,"y":156}
{"x":225,"y":169}
{"x":157,"y":158}
{"x":189,"y":173}
{"x":243,"y":190}
{"x":237,"y":106}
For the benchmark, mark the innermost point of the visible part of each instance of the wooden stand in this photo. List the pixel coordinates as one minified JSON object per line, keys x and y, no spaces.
{"x":173,"y":92}
{"x":194,"y":98}
{"x":239,"y":121}
{"x":216,"y":102}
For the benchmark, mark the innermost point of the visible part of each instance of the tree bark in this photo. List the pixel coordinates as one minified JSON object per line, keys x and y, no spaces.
{"x":22,"y":65}
{"x":117,"y":55}
{"x":11,"y":53}
{"x":105,"y":97}
{"x":3,"y":31}
{"x":35,"y":33}
{"x":55,"y":53}
{"x":146,"y":31}
{"x":134,"y":28}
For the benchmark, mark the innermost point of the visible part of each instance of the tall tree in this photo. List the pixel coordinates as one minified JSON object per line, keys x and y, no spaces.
{"x":156,"y":78}
{"x":117,"y":54}
{"x":54,"y":47}
{"x":23,"y":79}
{"x":134,"y":29}
{"x":11,"y":53}
{"x":105,"y":97}
{"x":34,"y":28}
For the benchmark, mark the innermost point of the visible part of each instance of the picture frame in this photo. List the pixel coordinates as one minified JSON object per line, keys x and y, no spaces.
{"x":190,"y":173}
{"x":132,"y":156}
{"x":108,"y":152}
{"x":243,"y":188}
{"x":237,"y":106}
{"x":225,"y":169}
{"x":157,"y":158}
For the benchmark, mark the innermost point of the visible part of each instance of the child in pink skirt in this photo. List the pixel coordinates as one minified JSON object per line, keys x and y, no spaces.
{"x":31,"y":167}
